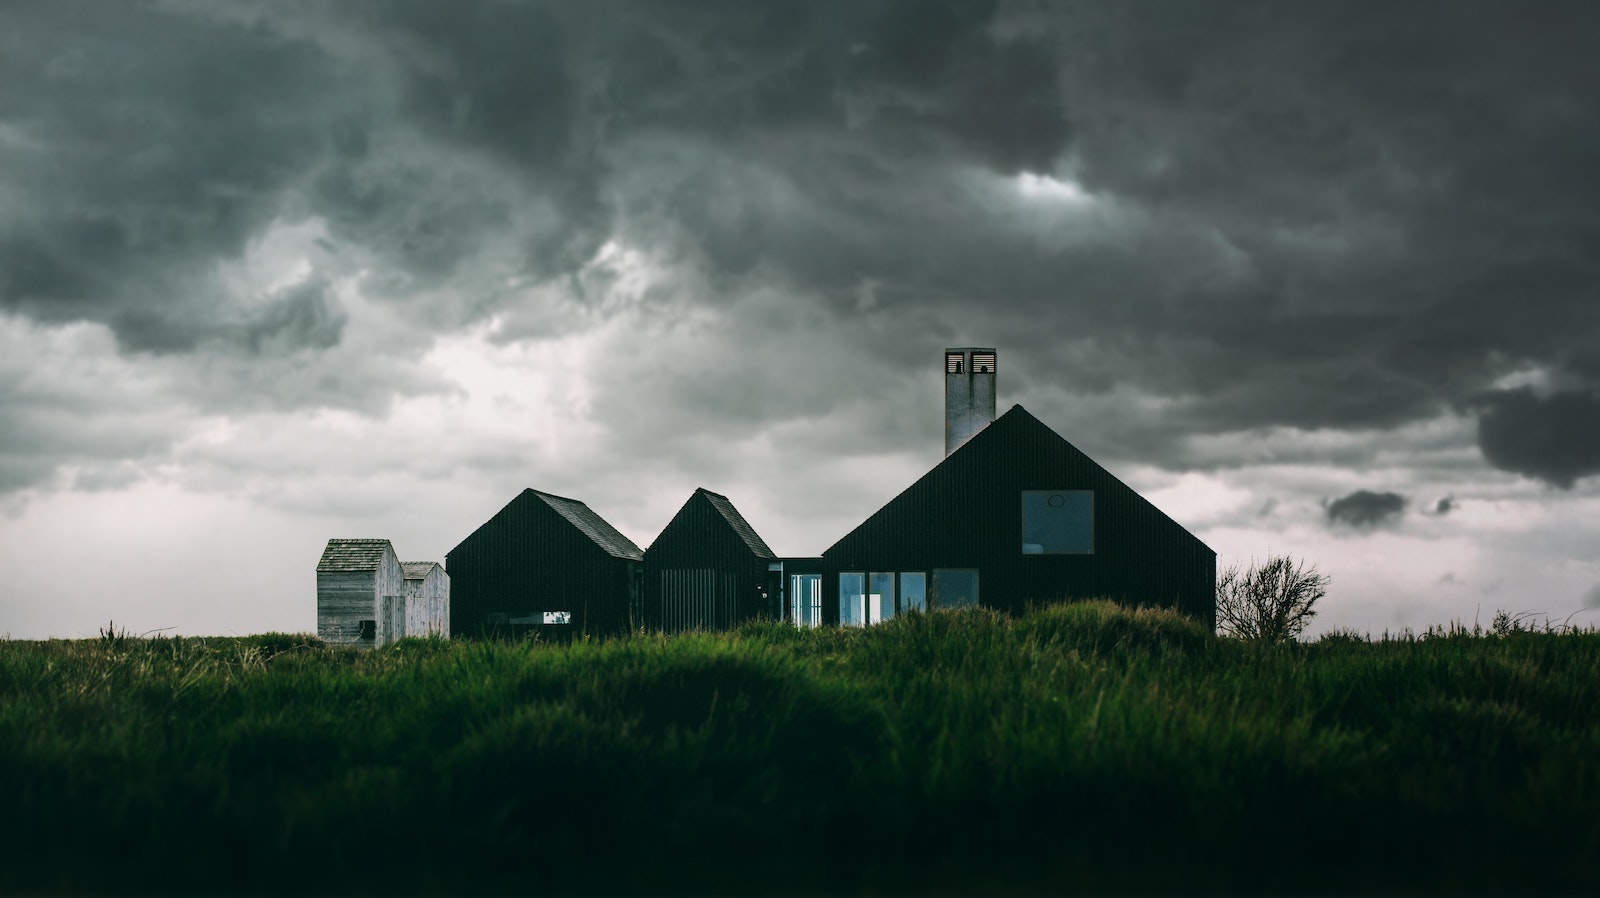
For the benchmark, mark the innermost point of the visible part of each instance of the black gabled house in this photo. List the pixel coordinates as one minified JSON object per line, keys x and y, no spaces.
{"x":708,"y":569}
{"x":544,"y":563}
{"x":1017,"y":515}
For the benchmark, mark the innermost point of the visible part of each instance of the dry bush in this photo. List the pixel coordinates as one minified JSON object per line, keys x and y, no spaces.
{"x":1270,"y":602}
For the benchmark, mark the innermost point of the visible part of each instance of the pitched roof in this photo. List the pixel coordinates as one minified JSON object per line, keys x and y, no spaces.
{"x":353,"y":554}
{"x":593,"y":526}
{"x":418,"y":570}
{"x":1017,"y":436}
{"x":747,"y":533}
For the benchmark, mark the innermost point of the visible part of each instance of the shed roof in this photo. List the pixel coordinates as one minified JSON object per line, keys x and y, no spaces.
{"x":593,"y":526}
{"x":747,"y":533}
{"x":418,"y":570}
{"x":353,"y":554}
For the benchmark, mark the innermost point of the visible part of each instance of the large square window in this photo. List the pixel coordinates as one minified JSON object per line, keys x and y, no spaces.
{"x":1057,"y":522}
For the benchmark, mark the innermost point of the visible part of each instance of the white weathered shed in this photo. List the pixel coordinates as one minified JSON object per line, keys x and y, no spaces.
{"x":427,"y":598}
{"x":353,"y":579}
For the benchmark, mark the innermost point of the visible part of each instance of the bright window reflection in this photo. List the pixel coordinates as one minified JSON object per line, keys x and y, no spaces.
{"x":805,"y":600}
{"x":852,"y":600}
{"x":913,"y":592}
{"x":880,"y":598}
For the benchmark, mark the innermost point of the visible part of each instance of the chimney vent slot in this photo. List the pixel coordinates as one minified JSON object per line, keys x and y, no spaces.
{"x":983,"y":363}
{"x":952,"y":362}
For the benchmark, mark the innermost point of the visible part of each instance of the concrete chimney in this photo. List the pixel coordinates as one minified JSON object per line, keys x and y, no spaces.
{"x":968,"y":393}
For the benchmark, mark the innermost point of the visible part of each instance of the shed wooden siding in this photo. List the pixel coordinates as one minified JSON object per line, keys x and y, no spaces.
{"x":966,"y":513}
{"x":427,"y":607}
{"x":529,"y":557}
{"x":352,"y":578}
{"x":707,"y":569}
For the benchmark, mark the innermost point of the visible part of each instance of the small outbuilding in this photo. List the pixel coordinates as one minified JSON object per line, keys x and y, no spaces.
{"x":708,"y":569}
{"x":427,"y":599}
{"x":545,"y":563}
{"x":354,"y":577}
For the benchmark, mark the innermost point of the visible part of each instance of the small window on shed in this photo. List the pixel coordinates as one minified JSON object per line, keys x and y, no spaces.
{"x":368,"y":629}
{"x":1057,"y":522}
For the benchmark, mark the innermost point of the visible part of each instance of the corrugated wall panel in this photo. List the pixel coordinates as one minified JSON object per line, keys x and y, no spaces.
{"x":528,"y":558}
{"x":700,"y":539}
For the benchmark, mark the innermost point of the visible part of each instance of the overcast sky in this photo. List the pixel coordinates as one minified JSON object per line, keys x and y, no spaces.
{"x":1317,"y":279}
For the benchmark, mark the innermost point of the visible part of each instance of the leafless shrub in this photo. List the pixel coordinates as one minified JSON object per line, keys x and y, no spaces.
{"x":1270,"y":602}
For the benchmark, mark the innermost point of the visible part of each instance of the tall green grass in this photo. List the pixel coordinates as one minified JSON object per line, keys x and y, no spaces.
{"x":1082,"y":747}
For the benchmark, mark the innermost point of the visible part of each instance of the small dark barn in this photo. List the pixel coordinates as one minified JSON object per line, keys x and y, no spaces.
{"x":544,"y":563}
{"x":1014,"y":514}
{"x":708,"y":569}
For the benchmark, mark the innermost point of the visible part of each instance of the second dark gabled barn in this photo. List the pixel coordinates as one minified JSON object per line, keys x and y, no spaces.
{"x":544,"y":563}
{"x":708,"y":569}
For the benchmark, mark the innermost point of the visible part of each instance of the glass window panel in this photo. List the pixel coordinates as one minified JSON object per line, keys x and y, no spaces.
{"x":852,"y":600}
{"x":880,"y":598}
{"x":1057,"y":522}
{"x":805,"y":599}
{"x":913,"y":592}
{"x":955,"y":588}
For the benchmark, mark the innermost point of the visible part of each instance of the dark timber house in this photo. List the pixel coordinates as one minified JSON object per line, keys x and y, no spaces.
{"x":708,"y":569}
{"x":1014,"y":514}
{"x":544,"y":563}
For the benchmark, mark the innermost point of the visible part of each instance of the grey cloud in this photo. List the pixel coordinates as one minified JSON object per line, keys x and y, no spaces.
{"x":1591,"y":599}
{"x":1554,"y":438}
{"x":304,"y":316}
{"x":143,"y":148}
{"x":78,"y":412}
{"x":1444,"y":506}
{"x":1346,"y":215}
{"x":1364,"y":508}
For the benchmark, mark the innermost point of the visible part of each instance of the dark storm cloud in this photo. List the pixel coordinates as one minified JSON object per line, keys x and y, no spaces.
{"x":1554,"y":438}
{"x":142,"y":149}
{"x":1444,"y":506}
{"x":304,"y":316}
{"x":1344,"y":215}
{"x":1364,"y":508}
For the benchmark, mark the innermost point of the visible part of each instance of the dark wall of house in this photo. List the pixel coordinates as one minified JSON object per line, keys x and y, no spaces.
{"x":967,"y":513}
{"x":528,"y":558}
{"x":699,"y":574}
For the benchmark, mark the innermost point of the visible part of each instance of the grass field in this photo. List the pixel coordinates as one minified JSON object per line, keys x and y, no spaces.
{"x":1081,"y":748}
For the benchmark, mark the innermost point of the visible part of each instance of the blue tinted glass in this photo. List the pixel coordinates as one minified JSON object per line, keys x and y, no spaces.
{"x":880,"y":598}
{"x":913,"y":592}
{"x":852,"y":600}
{"x":955,"y":588}
{"x":1057,"y":522}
